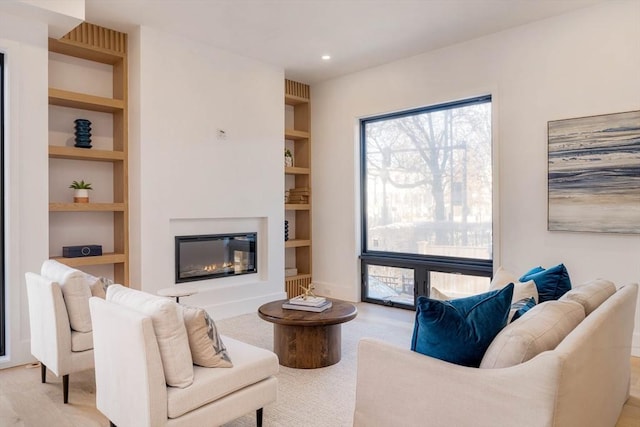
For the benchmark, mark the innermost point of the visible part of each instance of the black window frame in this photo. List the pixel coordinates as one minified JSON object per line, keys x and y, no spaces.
{"x":421,"y":264}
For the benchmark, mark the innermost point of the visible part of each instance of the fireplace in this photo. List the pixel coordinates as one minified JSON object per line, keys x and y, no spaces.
{"x":210,"y":256}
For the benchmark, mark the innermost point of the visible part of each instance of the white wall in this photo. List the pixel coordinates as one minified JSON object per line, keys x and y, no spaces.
{"x":24,"y":44}
{"x":579,"y":64}
{"x":185,"y":180}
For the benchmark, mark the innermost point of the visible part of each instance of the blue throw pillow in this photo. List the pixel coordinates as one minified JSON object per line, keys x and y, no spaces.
{"x":460,"y":330}
{"x":552,"y":283}
{"x":522,"y":306}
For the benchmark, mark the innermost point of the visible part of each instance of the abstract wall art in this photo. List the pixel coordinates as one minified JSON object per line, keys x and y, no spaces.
{"x":594,"y":174}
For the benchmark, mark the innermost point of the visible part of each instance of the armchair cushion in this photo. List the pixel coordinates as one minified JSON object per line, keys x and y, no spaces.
{"x":207,"y":348}
{"x":251,"y":365}
{"x":169,"y":328}
{"x":81,"y":341}
{"x":76,"y":288}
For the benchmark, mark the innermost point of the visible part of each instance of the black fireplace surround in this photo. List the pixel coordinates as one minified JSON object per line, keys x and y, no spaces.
{"x":203,"y":257}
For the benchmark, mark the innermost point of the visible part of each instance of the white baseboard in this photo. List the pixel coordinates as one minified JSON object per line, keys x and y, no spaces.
{"x":635,"y":344}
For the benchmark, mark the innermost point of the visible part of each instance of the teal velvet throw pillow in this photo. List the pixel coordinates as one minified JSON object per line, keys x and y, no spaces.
{"x":552,"y":282}
{"x":460,"y":330}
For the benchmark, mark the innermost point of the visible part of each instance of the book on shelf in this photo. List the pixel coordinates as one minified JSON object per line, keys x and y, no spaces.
{"x":316,"y":309}
{"x":308,"y":301}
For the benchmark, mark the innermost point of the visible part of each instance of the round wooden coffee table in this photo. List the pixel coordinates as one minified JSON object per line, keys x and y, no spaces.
{"x":304,"y":339}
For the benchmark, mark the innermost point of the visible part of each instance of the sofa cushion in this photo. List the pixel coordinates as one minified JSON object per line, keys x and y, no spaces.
{"x":540,"y":329}
{"x":591,"y":294}
{"x":250,"y":365}
{"x":81,"y":341}
{"x":552,"y":282}
{"x":460,"y":330}
{"x":76,"y":288}
{"x":521,"y":290}
{"x":207,"y":348}
{"x":169,"y":328}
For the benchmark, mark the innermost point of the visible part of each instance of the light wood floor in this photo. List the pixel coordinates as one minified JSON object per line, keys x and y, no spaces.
{"x":25,"y":402}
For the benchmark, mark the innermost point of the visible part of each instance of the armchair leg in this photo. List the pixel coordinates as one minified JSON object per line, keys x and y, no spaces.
{"x":111,"y":424}
{"x":65,"y":388}
{"x":259,"y":417}
{"x":43,"y":373}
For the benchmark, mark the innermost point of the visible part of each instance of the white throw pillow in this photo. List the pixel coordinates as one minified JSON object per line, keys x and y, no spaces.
{"x":169,"y":328}
{"x":435,"y":293}
{"x":540,"y":329}
{"x":76,"y":289}
{"x":521,"y":290}
{"x":207,"y":348}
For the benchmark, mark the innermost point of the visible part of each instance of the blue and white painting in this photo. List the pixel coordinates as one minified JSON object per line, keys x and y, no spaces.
{"x":594,"y":174}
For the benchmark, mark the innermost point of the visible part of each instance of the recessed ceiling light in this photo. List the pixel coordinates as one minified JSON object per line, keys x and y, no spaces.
{"x":326,"y":57}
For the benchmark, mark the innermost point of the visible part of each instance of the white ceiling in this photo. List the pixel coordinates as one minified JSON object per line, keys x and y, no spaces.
{"x":358,"y":34}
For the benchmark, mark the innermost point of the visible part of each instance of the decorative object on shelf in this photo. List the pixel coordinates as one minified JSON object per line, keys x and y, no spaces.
{"x":83,"y":133}
{"x":288,"y":158}
{"x":308,"y":292}
{"x":286,"y":230}
{"x":80,"y":251}
{"x":299,"y":195}
{"x":593,"y":167}
{"x":81,"y":191}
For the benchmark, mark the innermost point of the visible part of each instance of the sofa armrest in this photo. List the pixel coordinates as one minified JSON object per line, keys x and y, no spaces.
{"x":396,"y":386}
{"x":130,"y":384}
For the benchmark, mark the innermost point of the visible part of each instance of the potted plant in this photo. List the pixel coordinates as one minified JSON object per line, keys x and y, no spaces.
{"x":288,"y":158}
{"x":81,"y":191}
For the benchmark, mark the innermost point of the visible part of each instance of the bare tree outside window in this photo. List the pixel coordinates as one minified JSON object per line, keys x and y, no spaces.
{"x":429,"y":183}
{"x":427,"y":201}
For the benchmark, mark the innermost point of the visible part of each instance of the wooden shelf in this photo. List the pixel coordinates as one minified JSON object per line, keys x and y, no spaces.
{"x":295,"y":135}
{"x":108,"y":258}
{"x":65,"y":98}
{"x":297,"y":171}
{"x":295,"y":278}
{"x":84,"y":51}
{"x":295,"y":100}
{"x":297,"y":243}
{"x":92,"y":43}
{"x":297,"y":206}
{"x":86,"y":207}
{"x":73,"y":153}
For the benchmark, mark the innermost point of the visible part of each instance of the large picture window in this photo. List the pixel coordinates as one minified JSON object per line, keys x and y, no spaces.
{"x":427,"y":202}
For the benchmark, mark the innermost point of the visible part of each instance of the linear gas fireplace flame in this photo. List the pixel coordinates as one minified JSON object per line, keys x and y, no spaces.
{"x":210,"y":256}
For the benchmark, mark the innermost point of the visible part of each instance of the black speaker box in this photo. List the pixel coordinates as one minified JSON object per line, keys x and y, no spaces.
{"x":80,"y":251}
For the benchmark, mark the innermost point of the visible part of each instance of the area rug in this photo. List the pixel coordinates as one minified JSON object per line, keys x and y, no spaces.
{"x":322,"y":397}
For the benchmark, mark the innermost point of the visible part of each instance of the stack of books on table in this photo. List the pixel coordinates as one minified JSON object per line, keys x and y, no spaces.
{"x":316,"y":304}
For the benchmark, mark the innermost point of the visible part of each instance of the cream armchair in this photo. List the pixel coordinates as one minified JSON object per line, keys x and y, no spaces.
{"x":60,"y":321}
{"x":137,"y":338}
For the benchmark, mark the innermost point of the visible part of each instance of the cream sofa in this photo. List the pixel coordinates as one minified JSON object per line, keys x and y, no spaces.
{"x":139,"y":348}
{"x":582,"y":381}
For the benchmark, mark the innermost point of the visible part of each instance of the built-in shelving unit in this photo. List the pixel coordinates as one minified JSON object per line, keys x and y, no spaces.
{"x":297,"y":137}
{"x":101,"y":45}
